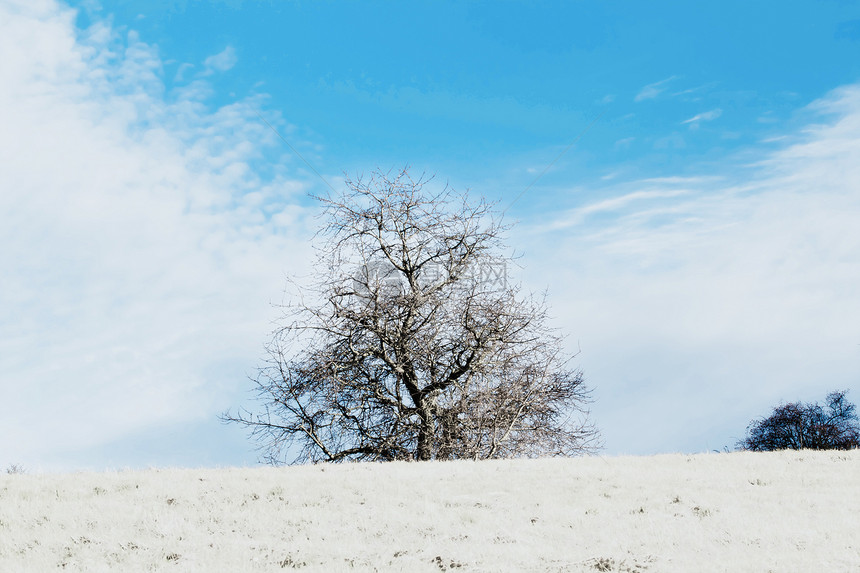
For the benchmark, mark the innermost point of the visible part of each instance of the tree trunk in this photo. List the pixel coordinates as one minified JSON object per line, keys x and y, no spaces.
{"x":425,"y":435}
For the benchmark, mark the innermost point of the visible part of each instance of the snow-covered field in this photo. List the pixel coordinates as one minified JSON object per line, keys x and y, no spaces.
{"x":787,"y":511}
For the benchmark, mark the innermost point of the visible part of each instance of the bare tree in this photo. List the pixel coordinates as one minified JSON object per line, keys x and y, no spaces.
{"x":799,"y":426}
{"x":415,"y":347}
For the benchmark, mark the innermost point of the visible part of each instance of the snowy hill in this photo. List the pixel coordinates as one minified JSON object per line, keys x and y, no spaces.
{"x":787,"y":511}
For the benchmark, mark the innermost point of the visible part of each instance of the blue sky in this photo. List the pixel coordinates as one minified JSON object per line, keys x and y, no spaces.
{"x":698,"y":239}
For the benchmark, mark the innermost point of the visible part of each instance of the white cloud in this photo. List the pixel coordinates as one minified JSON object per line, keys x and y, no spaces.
{"x":222,"y":61}
{"x":180,"y":72}
{"x":695,"y":90}
{"x":705,"y":116}
{"x":579,"y":215}
{"x":651,"y":91}
{"x":141,"y":248}
{"x":701,"y":302}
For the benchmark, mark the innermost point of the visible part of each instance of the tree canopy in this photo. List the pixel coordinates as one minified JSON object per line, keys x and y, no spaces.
{"x":798,"y":426}
{"x":411,"y":344}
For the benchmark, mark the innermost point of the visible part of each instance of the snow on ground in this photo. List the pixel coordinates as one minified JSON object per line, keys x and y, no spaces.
{"x":786,"y":511}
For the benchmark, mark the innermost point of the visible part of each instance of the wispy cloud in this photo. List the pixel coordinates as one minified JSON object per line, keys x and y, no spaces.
{"x":671,"y":141}
{"x":651,"y":91}
{"x":180,"y":72}
{"x":624,"y":143}
{"x":737,"y":290}
{"x":705,"y":116}
{"x":222,"y":61}
{"x":615,"y":204}
{"x":695,"y":90}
